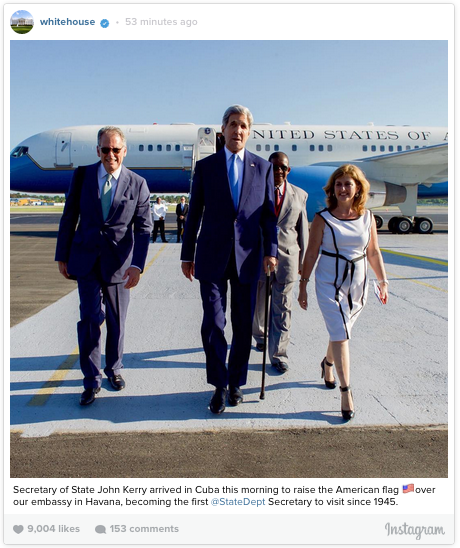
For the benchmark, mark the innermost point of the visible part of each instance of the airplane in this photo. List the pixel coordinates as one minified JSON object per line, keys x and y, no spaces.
{"x":402,"y":163}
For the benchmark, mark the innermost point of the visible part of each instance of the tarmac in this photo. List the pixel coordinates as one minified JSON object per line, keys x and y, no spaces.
{"x":399,"y":356}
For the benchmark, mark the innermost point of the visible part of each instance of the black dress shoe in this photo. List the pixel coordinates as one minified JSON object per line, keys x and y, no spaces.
{"x":117,"y":382}
{"x":260,"y":347}
{"x":281,"y":367}
{"x":235,"y":396}
{"x":217,"y":403}
{"x":89,"y":395}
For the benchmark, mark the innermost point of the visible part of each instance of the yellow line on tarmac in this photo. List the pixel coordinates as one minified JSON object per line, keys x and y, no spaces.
{"x":155,"y":257}
{"x":417,"y":282}
{"x":418,"y":257}
{"x":56,"y":380}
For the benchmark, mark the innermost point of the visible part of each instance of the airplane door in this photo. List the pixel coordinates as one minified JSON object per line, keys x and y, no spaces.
{"x":206,"y":144}
{"x":63,"y":140}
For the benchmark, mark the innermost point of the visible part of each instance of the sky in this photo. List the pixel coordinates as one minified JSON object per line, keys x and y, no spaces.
{"x":56,"y":84}
{"x":20,"y":14}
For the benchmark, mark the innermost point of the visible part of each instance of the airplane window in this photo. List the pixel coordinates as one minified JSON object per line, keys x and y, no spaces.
{"x":407,"y":147}
{"x":177,"y":148}
{"x":391,"y":148}
{"x":320,"y":148}
{"x":294,"y":147}
{"x":416,"y":146}
{"x":267,"y":147}
{"x":364,"y":148}
{"x":168,"y":147}
{"x":373,"y":148}
{"x":382,"y":148}
{"x":399,"y":148}
{"x":159,"y":147}
{"x":276,"y":148}
{"x":258,"y":148}
{"x":150,"y":147}
{"x":312,"y":148}
{"x":329,"y":148}
{"x":141,"y":148}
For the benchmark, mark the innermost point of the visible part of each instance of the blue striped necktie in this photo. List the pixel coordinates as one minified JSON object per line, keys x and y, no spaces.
{"x":106,"y":198}
{"x":233,"y":177}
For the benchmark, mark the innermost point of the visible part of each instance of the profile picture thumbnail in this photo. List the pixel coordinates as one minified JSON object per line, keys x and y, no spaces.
{"x":22,"y":22}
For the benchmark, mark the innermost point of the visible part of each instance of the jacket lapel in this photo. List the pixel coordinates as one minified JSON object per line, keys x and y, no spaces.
{"x":249,"y":173}
{"x":286,"y":206}
{"x":121,"y":189}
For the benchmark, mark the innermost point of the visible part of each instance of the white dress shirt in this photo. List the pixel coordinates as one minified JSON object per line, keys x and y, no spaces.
{"x":102,"y":178}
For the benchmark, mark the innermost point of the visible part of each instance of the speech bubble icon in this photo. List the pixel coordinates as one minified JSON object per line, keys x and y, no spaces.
{"x":100,"y":529}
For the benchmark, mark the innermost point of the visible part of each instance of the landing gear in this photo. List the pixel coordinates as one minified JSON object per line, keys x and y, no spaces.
{"x":404,"y":225}
{"x":423,"y":225}
{"x":378,"y":221}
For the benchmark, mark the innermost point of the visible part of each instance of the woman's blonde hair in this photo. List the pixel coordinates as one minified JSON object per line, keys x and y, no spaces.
{"x":363,"y":187}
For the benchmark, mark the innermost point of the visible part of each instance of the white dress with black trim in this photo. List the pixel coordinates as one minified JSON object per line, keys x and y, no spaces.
{"x":341,"y":273}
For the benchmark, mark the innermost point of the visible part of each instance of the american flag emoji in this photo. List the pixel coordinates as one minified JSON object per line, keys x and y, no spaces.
{"x":408,"y":488}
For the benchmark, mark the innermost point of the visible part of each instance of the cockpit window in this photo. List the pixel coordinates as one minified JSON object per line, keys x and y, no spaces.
{"x":19,"y":151}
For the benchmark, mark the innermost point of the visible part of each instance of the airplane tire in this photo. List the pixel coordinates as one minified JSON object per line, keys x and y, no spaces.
{"x":378,"y":221}
{"x":392,"y":224}
{"x":423,"y":225}
{"x":403,"y":225}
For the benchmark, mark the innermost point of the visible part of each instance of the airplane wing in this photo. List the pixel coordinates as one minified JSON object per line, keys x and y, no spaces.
{"x":424,"y":166}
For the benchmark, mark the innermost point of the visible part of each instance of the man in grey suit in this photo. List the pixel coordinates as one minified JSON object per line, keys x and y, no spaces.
{"x":106,"y":254}
{"x":292,"y":226}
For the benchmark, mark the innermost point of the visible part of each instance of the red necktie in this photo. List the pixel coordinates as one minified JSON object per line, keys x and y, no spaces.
{"x":277,"y":201}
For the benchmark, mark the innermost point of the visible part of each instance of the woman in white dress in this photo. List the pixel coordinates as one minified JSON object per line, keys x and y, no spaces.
{"x":345,"y":235}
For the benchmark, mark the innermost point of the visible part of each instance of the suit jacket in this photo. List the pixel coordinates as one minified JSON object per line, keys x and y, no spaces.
{"x":120,"y":241}
{"x":179,"y":211}
{"x":224,"y":229}
{"x":292,"y":234}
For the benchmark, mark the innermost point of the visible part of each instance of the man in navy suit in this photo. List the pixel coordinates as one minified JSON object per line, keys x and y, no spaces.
{"x":106,"y":254}
{"x":181,"y":214}
{"x":232,"y":201}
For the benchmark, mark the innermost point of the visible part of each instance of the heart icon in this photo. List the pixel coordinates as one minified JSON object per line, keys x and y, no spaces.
{"x":18,"y":529}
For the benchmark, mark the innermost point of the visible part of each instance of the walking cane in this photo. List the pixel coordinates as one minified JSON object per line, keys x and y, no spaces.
{"x":267,"y":297}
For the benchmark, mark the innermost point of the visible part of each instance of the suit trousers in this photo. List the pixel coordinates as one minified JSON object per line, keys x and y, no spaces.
{"x":279,"y":324}
{"x":100,"y":300}
{"x":242,"y":302}
{"x":158,"y":225}
{"x":180,"y":229}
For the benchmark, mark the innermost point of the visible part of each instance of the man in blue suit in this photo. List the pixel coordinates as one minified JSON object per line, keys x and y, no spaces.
{"x":106,"y":254}
{"x":232,"y":201}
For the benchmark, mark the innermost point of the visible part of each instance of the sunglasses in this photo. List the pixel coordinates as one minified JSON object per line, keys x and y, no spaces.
{"x":281,"y":168}
{"x":106,"y":150}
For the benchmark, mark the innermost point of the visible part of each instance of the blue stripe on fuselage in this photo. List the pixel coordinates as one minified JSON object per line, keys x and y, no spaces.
{"x":26,"y":176}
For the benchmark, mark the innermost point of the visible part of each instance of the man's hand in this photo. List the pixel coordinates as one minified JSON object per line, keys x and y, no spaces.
{"x":63,"y":269}
{"x":270,"y":262}
{"x":188,"y":269}
{"x":134,"y":275}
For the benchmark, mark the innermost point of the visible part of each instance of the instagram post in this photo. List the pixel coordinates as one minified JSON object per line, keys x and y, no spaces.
{"x":227,"y":248}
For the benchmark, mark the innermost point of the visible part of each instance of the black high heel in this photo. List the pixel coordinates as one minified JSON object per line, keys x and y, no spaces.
{"x":347,"y":414}
{"x":329,"y":384}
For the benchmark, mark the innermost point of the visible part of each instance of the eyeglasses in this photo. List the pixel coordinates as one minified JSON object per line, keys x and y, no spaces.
{"x":106,"y":150}
{"x":280,"y":168}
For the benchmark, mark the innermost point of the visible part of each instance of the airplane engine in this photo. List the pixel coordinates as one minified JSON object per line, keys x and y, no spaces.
{"x":316,"y":177}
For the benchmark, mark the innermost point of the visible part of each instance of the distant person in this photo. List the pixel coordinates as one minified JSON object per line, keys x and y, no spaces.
{"x":106,"y":254}
{"x":345,"y":235}
{"x":291,"y":211}
{"x":159,"y":211}
{"x":232,"y":202}
{"x":181,"y":213}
